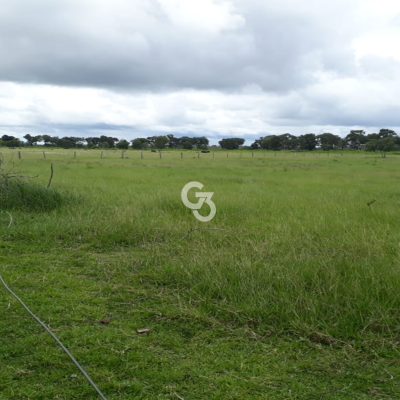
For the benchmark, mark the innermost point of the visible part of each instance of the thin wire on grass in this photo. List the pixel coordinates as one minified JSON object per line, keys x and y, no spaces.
{"x":203,"y":229}
{"x":84,"y":373}
{"x":236,"y":213}
{"x":11,"y":219}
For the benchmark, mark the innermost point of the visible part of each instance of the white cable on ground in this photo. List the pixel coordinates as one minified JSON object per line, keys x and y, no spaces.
{"x":57,"y":340}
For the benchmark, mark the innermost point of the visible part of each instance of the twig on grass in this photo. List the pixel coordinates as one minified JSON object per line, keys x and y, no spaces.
{"x":204,"y":229}
{"x":51,"y":175}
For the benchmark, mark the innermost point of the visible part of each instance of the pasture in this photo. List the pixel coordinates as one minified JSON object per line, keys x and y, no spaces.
{"x":297,"y":296}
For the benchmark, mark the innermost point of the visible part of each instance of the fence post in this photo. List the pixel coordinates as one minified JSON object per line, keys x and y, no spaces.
{"x":19,"y":155}
{"x":181,"y":155}
{"x":198,"y":154}
{"x":44,"y":154}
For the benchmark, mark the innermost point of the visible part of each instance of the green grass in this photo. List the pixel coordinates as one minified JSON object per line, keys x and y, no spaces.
{"x":298,"y":298}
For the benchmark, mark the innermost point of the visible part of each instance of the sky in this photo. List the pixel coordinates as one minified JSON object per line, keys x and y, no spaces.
{"x":215,"y":68}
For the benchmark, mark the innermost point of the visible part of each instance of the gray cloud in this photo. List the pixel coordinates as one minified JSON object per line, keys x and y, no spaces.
{"x":143,"y":45}
{"x":211,"y":67}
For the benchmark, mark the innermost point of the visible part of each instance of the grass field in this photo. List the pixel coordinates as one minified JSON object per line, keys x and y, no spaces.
{"x":297,"y":298}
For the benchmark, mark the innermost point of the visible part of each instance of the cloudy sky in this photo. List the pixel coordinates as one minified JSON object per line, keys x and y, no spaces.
{"x":219,"y":68}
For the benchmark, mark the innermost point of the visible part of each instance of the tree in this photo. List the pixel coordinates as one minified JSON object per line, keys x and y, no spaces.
{"x":256,"y":144}
{"x":383,"y":145}
{"x":160,"y":142}
{"x":328,"y":141}
{"x":384,"y":133}
{"x":231,"y":143}
{"x":272,"y":142}
{"x":173,"y":142}
{"x":7,"y":138}
{"x":187,"y":145}
{"x":123,"y":144}
{"x":308,"y":142}
{"x":356,"y":139}
{"x":202,"y":142}
{"x":92,"y":142}
{"x":12,"y":143}
{"x":109,"y":140}
{"x":387,"y":144}
{"x":139,"y":143}
{"x":46,"y":139}
{"x":32,"y":140}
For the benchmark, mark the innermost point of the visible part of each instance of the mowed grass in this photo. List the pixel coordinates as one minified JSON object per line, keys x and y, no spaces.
{"x":297,"y":298}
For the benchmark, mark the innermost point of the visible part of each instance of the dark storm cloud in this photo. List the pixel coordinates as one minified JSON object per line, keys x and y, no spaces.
{"x":138,"y":45}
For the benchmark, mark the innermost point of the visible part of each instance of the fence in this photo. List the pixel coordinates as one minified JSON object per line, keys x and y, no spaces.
{"x":168,"y":154}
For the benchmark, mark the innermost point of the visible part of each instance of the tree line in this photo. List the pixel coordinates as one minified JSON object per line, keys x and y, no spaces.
{"x":385,"y":140}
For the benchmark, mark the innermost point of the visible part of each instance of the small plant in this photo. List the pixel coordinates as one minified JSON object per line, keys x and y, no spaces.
{"x":19,"y":191}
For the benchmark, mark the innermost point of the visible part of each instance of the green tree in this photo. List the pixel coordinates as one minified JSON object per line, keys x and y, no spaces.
{"x":123,"y":144}
{"x":308,"y":142}
{"x":272,"y":142}
{"x":32,"y":140}
{"x":187,"y":145}
{"x":139,"y":143}
{"x":356,"y":139}
{"x":231,"y":143}
{"x":160,"y":142}
{"x":384,"y":133}
{"x":387,"y":144}
{"x":328,"y":141}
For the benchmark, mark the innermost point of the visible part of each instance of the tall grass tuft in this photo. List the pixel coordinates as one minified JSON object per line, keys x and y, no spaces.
{"x":18,"y":191}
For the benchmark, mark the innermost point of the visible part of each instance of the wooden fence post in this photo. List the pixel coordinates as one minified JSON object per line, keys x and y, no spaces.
{"x":181,"y":155}
{"x":19,"y":154}
{"x":44,"y":154}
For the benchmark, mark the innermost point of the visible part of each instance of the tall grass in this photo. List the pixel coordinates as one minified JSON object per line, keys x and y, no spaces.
{"x":20,"y":191}
{"x":307,"y":254}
